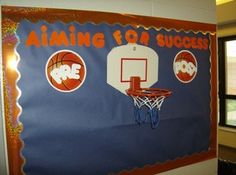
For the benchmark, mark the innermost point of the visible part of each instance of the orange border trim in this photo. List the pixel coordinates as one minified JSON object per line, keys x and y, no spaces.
{"x":14,"y":127}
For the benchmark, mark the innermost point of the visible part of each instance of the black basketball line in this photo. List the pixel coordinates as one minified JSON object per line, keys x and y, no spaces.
{"x":65,"y":55}
{"x":182,"y":56}
{"x":57,"y":58}
{"x":54,"y":82}
{"x":61,"y":61}
{"x":189,"y":55}
{"x":65,"y":86}
{"x":71,"y":61}
{"x":53,"y":64}
{"x":51,"y":79}
{"x":65,"y":60}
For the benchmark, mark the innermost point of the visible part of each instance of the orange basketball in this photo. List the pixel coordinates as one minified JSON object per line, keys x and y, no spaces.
{"x":65,"y":70}
{"x":185,"y":66}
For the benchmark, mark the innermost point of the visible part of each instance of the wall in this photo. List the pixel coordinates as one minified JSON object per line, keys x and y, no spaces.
{"x":226,"y":27}
{"x":226,"y":13}
{"x":3,"y":157}
{"x":190,"y":10}
{"x":227,"y":137}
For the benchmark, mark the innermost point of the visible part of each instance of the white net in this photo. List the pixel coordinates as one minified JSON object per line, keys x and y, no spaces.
{"x":150,"y":102}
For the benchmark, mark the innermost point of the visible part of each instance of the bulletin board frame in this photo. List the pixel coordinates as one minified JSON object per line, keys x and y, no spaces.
{"x":11,"y":16}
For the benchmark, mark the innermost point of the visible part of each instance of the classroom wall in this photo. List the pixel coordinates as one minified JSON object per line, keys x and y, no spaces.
{"x":226,"y":27}
{"x":3,"y":157}
{"x":190,"y":10}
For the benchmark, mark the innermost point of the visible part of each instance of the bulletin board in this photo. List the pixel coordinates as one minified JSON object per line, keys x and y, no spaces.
{"x":66,"y":80}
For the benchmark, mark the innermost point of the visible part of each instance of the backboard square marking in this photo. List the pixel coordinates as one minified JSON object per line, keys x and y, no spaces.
{"x":133,"y":67}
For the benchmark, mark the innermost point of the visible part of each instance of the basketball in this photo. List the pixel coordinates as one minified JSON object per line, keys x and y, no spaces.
{"x":185,"y":66}
{"x":65,"y":70}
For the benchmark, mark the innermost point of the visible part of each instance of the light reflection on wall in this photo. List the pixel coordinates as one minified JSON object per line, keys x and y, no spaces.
{"x":12,"y":63}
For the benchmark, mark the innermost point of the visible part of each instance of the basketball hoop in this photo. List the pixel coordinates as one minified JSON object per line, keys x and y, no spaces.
{"x":151,"y":98}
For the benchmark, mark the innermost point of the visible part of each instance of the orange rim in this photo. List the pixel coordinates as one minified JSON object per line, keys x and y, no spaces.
{"x":149,"y":92}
